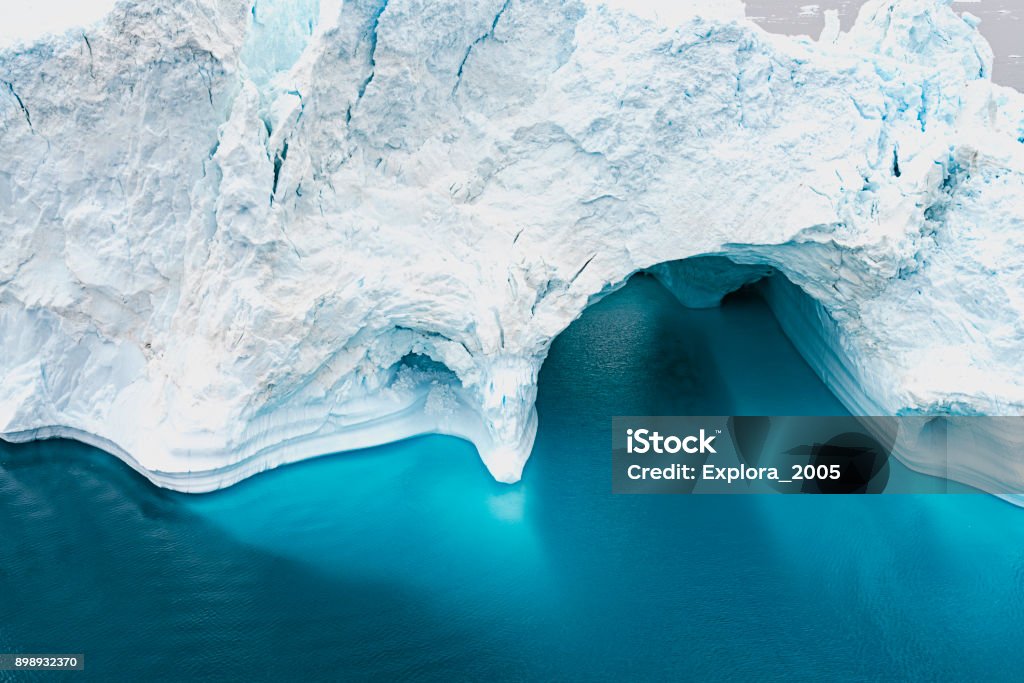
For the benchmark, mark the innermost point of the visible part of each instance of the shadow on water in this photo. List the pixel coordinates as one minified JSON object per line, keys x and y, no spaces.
{"x":96,"y":560}
{"x":408,"y":561}
{"x":741,"y":586}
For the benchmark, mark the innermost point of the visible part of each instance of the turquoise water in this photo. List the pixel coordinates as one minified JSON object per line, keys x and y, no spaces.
{"x":406,"y":561}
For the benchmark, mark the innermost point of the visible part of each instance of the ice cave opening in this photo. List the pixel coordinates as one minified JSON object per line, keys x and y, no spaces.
{"x":771,"y":317}
{"x":709,"y":336}
{"x":699,"y":336}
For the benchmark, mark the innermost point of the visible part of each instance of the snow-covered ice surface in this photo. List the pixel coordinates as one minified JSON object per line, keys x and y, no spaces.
{"x":236,"y":236}
{"x":1001,"y":25}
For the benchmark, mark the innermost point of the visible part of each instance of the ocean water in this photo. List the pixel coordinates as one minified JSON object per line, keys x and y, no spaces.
{"x":407,"y":561}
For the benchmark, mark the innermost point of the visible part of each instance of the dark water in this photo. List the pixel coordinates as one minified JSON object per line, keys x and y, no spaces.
{"x":406,"y":561}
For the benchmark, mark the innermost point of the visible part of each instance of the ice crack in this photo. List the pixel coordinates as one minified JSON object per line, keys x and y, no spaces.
{"x":488,"y":34}
{"x":21,"y":105}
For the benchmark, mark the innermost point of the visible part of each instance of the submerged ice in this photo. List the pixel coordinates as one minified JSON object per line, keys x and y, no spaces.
{"x":238,"y":234}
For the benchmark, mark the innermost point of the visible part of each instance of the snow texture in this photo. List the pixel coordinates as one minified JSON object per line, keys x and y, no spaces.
{"x":237,"y":235}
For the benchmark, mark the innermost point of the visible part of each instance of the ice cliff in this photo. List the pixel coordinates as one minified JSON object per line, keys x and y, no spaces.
{"x":238,"y":234}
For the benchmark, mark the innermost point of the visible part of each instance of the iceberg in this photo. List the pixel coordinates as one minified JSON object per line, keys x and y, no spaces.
{"x":239,"y":234}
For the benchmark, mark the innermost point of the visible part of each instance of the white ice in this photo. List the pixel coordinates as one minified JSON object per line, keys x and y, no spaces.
{"x":224,"y":229}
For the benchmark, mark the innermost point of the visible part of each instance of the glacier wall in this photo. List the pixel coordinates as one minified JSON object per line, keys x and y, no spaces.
{"x":228,"y":226}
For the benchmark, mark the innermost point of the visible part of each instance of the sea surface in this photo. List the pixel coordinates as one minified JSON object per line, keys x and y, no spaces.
{"x":408,"y":561}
